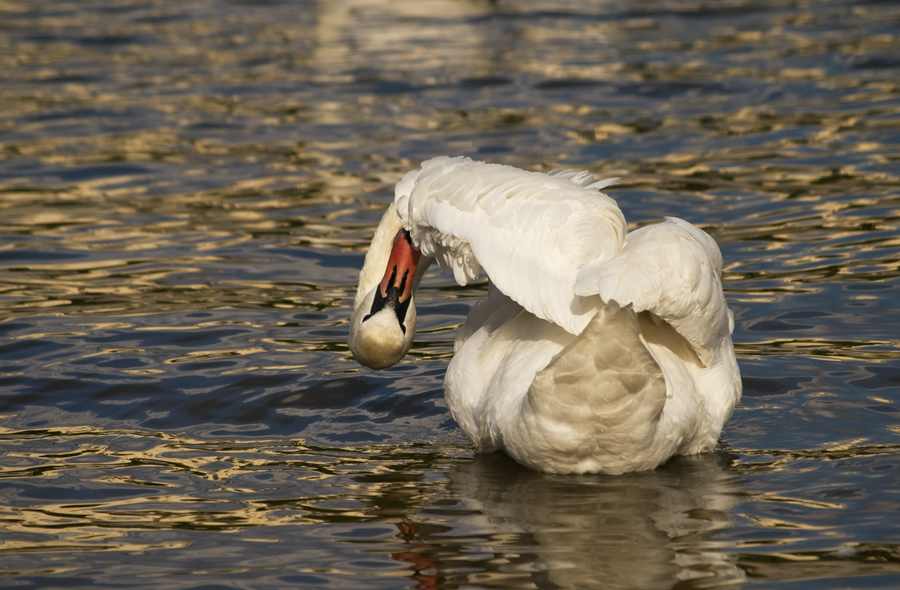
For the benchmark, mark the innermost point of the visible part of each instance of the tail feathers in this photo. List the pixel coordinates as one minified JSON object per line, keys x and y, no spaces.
{"x":597,"y":405}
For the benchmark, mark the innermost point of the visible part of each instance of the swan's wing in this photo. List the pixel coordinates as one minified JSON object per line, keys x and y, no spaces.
{"x":674,"y":271}
{"x":531,"y":232}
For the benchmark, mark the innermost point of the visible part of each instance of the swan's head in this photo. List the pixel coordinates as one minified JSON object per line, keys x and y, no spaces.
{"x":384,"y":314}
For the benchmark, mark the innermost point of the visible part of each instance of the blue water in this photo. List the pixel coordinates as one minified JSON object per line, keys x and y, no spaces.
{"x":187,"y":191}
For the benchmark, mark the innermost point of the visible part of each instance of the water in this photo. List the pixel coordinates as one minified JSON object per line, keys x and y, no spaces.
{"x":187,"y":190}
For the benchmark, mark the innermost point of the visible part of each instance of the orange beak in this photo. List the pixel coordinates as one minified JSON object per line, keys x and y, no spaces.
{"x":401,"y":267}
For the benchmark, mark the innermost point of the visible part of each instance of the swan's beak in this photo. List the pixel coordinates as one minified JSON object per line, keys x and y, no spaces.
{"x":385,"y":334}
{"x":396,"y":287}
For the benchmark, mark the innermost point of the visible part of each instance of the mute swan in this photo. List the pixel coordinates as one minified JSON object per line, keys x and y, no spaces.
{"x":593,"y":352}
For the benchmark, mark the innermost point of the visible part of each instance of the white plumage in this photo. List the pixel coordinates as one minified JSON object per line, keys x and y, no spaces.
{"x":594,"y":352}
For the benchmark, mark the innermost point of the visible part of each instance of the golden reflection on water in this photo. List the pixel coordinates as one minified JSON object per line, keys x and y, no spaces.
{"x":820,"y":347}
{"x":178,"y":464}
{"x":186,"y":192}
{"x":167,"y":482}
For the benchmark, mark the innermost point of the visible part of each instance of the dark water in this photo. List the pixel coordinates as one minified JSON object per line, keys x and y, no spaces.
{"x":187,"y":190}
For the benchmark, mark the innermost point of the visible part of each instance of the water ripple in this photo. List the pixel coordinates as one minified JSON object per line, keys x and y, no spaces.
{"x":187,"y":191}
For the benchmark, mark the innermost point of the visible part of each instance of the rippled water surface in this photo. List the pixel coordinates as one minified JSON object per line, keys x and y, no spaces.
{"x":187,"y":190}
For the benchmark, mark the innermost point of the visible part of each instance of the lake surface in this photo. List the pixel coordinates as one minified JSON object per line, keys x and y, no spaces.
{"x":187,"y":191}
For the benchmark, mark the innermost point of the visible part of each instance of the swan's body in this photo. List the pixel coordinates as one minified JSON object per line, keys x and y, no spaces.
{"x":594,"y":352}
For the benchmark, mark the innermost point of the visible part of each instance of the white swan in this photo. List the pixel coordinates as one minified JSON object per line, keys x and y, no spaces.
{"x":593,"y":352}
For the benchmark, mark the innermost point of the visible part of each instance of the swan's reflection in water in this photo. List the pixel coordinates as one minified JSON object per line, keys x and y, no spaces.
{"x":522,"y":529}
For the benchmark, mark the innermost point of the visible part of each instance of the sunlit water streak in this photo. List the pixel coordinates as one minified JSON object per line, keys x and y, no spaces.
{"x":187,"y":190}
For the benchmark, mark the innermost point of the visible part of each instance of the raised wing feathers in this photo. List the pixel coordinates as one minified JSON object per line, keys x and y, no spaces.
{"x":531,"y":232}
{"x":673,"y":270}
{"x":551,"y":242}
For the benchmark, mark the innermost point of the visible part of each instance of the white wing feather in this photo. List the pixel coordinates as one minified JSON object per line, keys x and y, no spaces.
{"x":531,"y":232}
{"x":673,"y":270}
